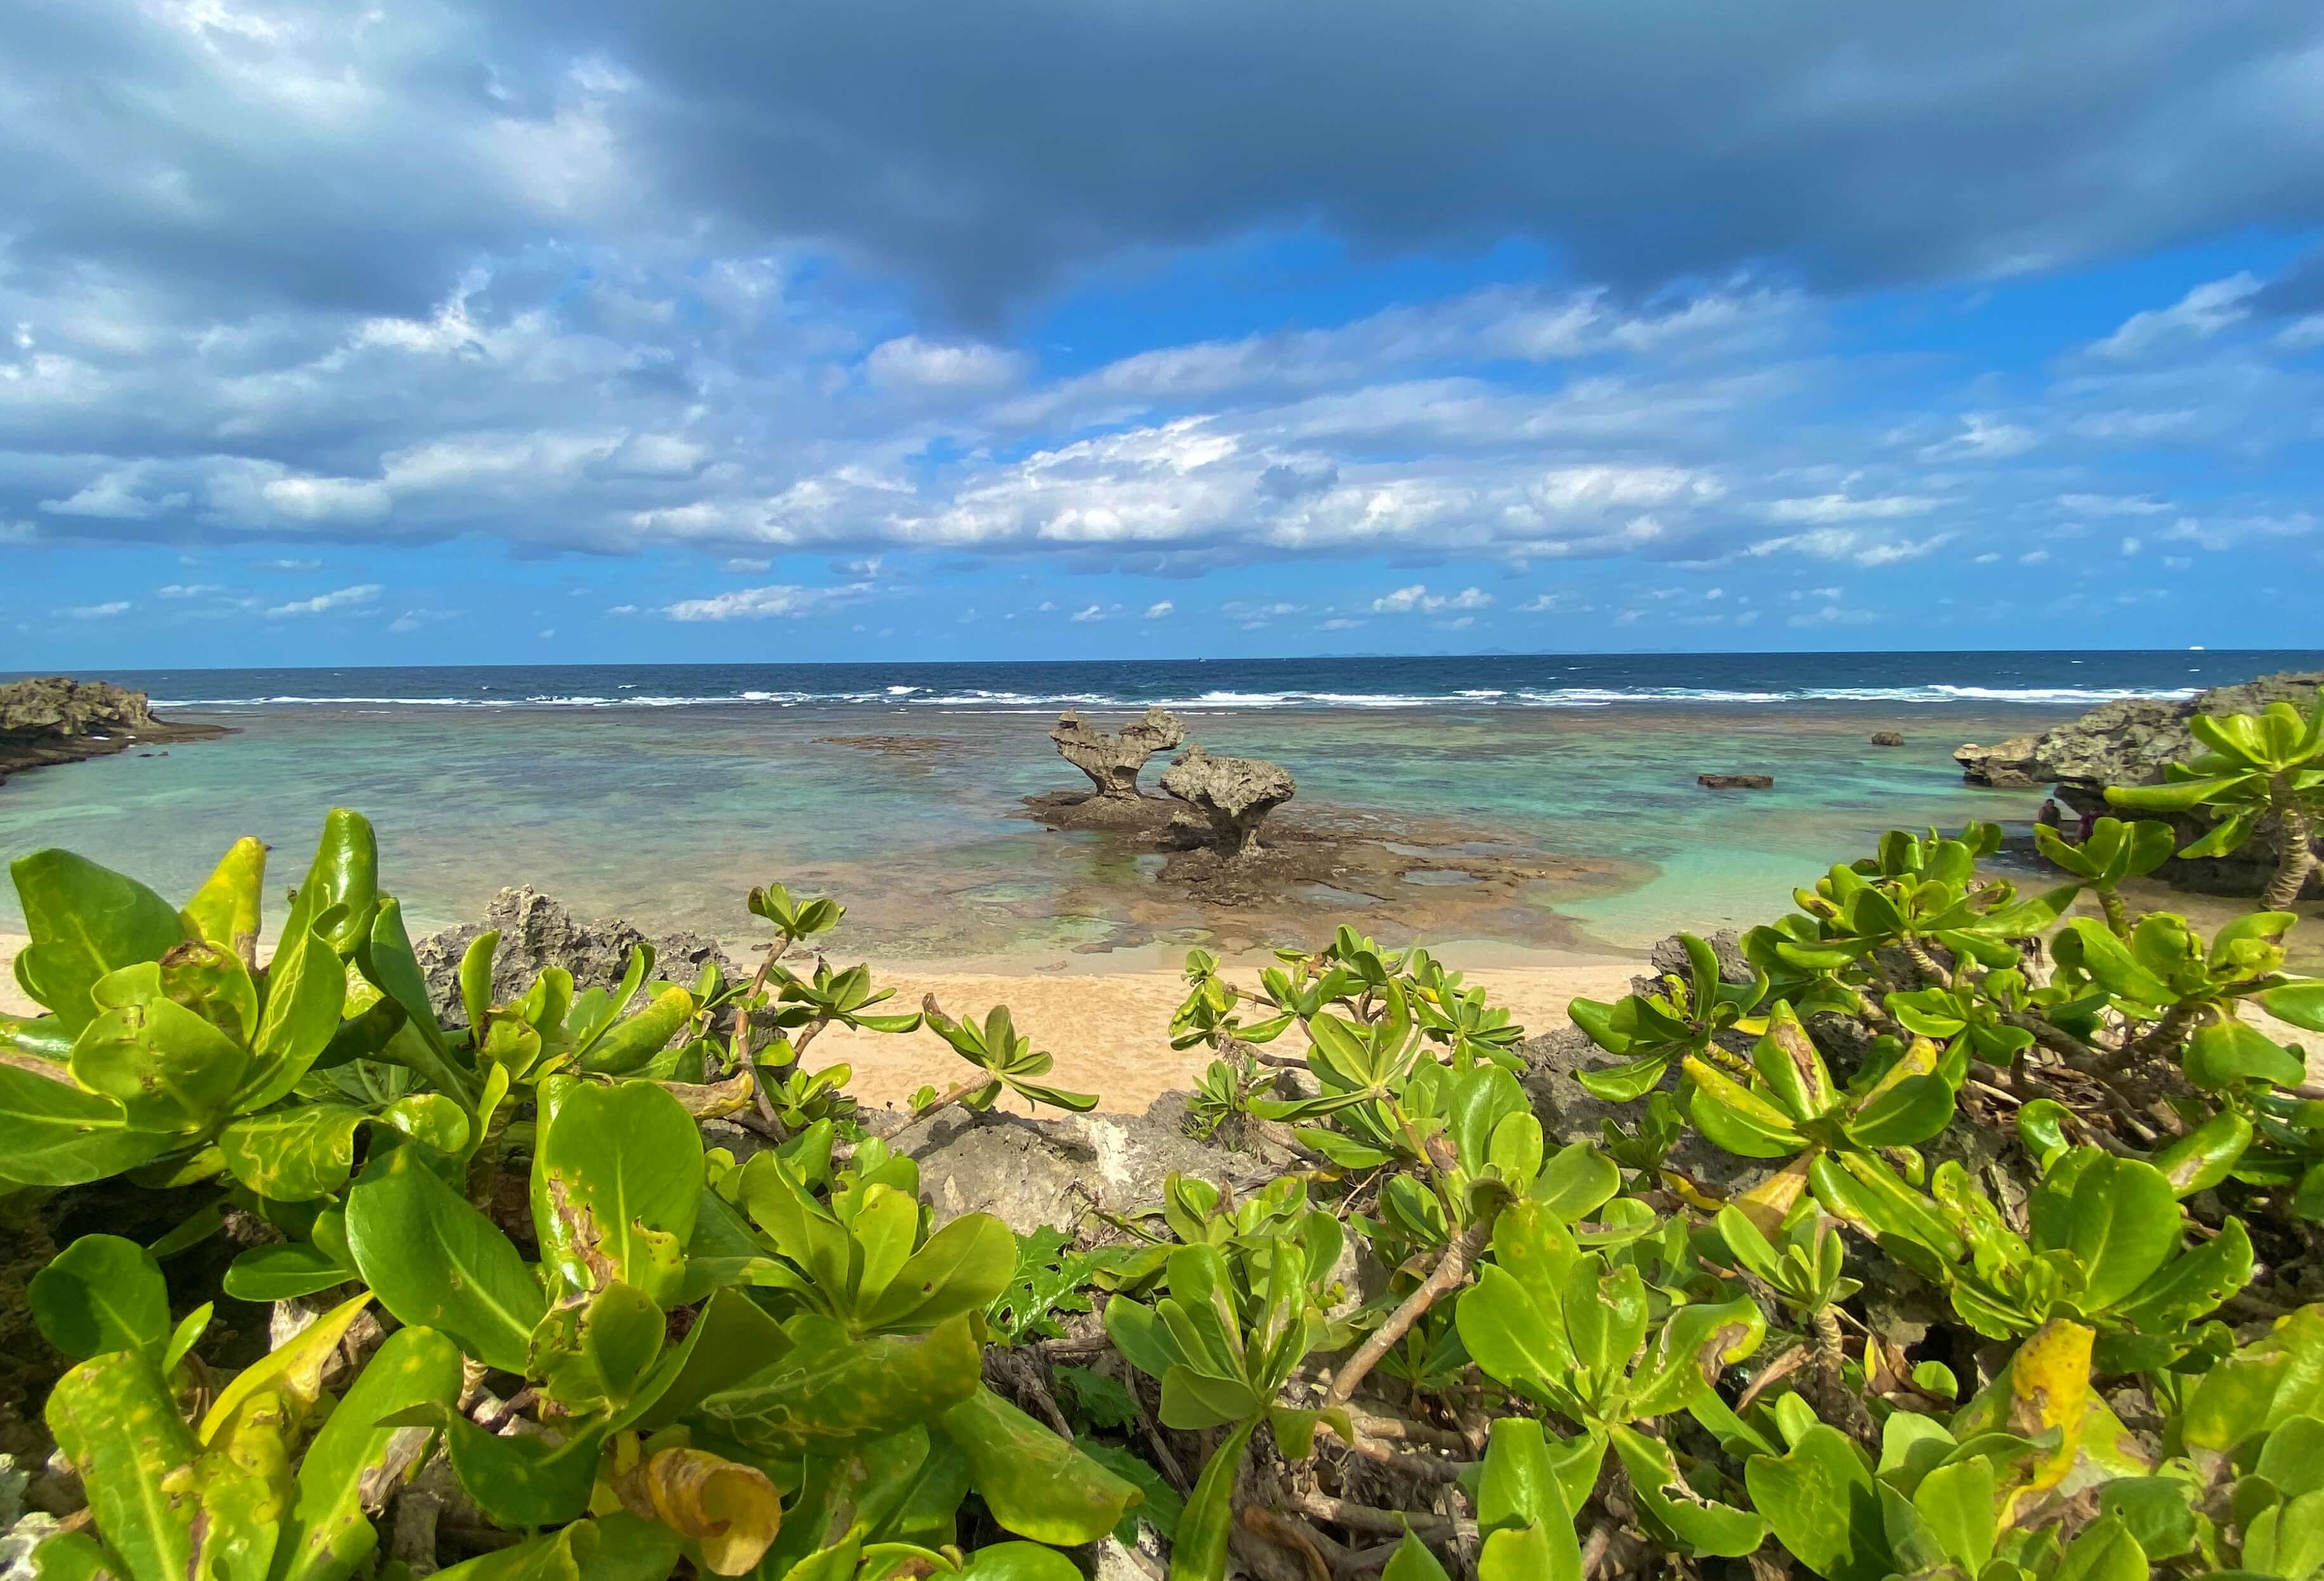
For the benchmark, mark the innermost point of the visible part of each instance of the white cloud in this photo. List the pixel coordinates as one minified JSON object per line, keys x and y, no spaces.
{"x":1833,"y":615}
{"x":343,"y":599}
{"x":1157,"y":610}
{"x":190,"y":590}
{"x":785,"y":600}
{"x":1983,"y":437}
{"x":101,"y":611}
{"x":1093,"y":612}
{"x":2201,"y":313}
{"x":1848,"y":543}
{"x":2130,"y":546}
{"x":1417,"y":598}
{"x":412,"y":620}
{"x":1839,"y":507}
{"x":910,"y":361}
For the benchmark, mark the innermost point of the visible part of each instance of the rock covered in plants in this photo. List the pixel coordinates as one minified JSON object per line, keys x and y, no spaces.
{"x":537,"y":931}
{"x":1235,"y":794}
{"x":57,"y":720}
{"x":2130,"y":743}
{"x":1114,"y":759}
{"x":1888,"y":738}
{"x":1735,"y":782}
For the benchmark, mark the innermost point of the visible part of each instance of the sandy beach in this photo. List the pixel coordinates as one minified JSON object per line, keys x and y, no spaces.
{"x":1110,"y":1029}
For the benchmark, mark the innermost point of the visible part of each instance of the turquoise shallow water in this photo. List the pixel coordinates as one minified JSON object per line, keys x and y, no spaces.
{"x":669,"y":814}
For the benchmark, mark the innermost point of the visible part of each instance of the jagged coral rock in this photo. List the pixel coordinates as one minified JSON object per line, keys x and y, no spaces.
{"x":1235,"y":794}
{"x":1112,"y":759}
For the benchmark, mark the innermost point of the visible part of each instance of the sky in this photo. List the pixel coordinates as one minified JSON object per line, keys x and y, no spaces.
{"x":481,"y":331}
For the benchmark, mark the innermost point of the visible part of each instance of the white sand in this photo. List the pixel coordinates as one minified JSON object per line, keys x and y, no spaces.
{"x":1110,"y":1029}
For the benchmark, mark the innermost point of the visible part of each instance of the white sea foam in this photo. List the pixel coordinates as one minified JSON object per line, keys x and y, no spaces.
{"x":1570,"y":697}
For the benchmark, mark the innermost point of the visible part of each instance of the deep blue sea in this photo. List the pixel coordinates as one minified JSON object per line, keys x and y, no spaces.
{"x":662,"y":792}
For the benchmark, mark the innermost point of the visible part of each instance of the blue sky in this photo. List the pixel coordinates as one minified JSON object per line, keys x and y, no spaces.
{"x":470,"y":333}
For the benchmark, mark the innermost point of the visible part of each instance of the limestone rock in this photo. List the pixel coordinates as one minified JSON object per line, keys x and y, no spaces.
{"x":1735,"y":782}
{"x":57,"y":704}
{"x":1034,"y":1172}
{"x":1112,"y":760}
{"x":537,"y":932}
{"x":1235,"y":794}
{"x":1887,"y":738}
{"x":56,"y":719}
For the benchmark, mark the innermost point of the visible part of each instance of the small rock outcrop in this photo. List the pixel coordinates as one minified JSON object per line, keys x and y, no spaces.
{"x":537,"y":932}
{"x":1887,"y":738}
{"x":1034,"y":1172}
{"x":1235,"y":794}
{"x":1114,"y":759}
{"x":1735,"y":782}
{"x":56,"y":719}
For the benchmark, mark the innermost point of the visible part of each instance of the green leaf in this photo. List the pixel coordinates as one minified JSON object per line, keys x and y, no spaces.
{"x":2105,"y":1551}
{"x":1412,"y":1561}
{"x":99,"y":1294}
{"x":2203,"y":1158}
{"x":1200,"y":1553}
{"x":345,"y":874}
{"x":963,"y":1267}
{"x":831,"y":1393}
{"x":283,"y":1272}
{"x":438,"y":1262}
{"x":388,"y":961}
{"x":55,"y":1133}
{"x":85,"y":922}
{"x":325,"y":1536}
{"x":1035,"y":1483}
{"x":224,"y":911}
{"x":630,"y":1044}
{"x":1821,"y":1500}
{"x":1546,"y":1552}
{"x":2121,"y":1222}
{"x":295,"y":1154}
{"x":525,"y":1479}
{"x":731,"y":1338}
{"x":2228,"y":1051}
{"x":616,"y":1183}
{"x":553,"y":1555}
{"x":306,"y":990}
{"x":114,"y":1419}
{"x":2301,"y":1003}
{"x":170,"y":1069}
{"x":1703,"y":1525}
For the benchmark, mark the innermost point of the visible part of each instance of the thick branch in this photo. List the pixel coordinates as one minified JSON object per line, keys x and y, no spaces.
{"x":2293,"y":858}
{"x":1451,"y":1271}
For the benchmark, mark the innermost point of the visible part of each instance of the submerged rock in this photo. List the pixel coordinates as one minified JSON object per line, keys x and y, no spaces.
{"x":56,"y":719}
{"x":1235,"y":794}
{"x":1735,"y":782}
{"x":537,"y":932}
{"x":1114,"y":759}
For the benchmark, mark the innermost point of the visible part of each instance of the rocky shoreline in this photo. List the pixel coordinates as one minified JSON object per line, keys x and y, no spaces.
{"x":2131,"y":741}
{"x":55,"y":719}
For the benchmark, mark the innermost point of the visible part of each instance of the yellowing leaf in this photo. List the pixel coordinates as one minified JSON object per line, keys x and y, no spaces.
{"x":730,"y":1511}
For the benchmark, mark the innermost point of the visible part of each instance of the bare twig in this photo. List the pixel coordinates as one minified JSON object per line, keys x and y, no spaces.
{"x":1383,"y":1523}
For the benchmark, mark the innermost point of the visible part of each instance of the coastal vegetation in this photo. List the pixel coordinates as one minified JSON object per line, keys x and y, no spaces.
{"x":1947,"y":1227}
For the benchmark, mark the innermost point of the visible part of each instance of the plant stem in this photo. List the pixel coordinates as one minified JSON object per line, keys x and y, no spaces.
{"x":1927,"y":963}
{"x":1451,"y":1271}
{"x":2293,"y":857}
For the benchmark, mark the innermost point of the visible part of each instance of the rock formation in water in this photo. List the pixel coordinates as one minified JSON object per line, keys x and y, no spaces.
{"x":537,"y":932}
{"x":2130,"y":743}
{"x":1235,"y":794}
{"x":1735,"y":782}
{"x":56,"y":719}
{"x":1887,"y":738}
{"x":1112,"y":759}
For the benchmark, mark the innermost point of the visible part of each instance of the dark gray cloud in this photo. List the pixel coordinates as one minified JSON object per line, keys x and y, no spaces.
{"x":982,"y":151}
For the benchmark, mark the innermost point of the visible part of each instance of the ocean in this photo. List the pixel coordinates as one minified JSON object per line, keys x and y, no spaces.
{"x":663,"y":792}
